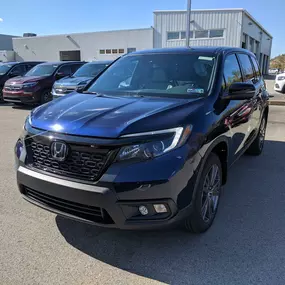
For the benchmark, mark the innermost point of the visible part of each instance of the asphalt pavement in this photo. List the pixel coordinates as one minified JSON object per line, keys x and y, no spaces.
{"x":246,"y":244}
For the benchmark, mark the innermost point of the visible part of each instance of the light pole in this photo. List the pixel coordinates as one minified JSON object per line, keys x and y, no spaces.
{"x":188,"y":23}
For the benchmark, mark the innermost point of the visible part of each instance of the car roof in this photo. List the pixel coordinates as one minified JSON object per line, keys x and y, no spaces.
{"x":61,"y":62}
{"x":184,"y":50}
{"x":20,"y":62}
{"x":100,"y":62}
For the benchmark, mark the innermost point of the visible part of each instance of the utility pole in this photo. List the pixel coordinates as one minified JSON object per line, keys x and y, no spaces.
{"x":188,"y":23}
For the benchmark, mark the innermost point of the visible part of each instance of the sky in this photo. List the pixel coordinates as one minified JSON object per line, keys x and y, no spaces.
{"x":47,"y":17}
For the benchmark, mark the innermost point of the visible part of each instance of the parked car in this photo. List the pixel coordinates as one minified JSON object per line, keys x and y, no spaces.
{"x":273,"y":71}
{"x":79,"y":79}
{"x":279,"y":85}
{"x":13,"y":69}
{"x":153,"y":153}
{"x":35,"y":86}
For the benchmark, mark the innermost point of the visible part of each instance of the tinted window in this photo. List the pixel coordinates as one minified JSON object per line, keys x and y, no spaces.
{"x":4,"y":68}
{"x":246,"y":66}
{"x":173,"y":35}
{"x":89,"y":70}
{"x":183,"y":35}
{"x":157,"y":75}
{"x":29,"y":66}
{"x":256,"y":68}
{"x":65,"y":70}
{"x":42,"y":70}
{"x":19,"y":69}
{"x":216,"y":33}
{"x":74,"y":67}
{"x":232,"y":71}
{"x":201,"y":34}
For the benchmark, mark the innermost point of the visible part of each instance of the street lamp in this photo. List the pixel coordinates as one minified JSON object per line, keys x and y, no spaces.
{"x":188,"y":23}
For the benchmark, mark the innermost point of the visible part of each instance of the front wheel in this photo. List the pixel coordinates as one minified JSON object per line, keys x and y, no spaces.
{"x":46,"y":96}
{"x":256,"y":147}
{"x":207,"y":197}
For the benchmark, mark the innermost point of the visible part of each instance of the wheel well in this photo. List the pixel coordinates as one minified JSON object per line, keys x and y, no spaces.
{"x":221,"y":150}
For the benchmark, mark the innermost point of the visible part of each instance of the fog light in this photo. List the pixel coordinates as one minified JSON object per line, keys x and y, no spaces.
{"x":143,"y":210}
{"x":160,"y":208}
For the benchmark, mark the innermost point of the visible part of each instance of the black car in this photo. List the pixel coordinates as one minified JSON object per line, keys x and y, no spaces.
{"x":35,"y":86}
{"x":149,"y":142}
{"x":13,"y":69}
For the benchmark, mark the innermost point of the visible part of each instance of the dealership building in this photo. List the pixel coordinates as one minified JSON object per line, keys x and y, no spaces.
{"x":224,"y":27}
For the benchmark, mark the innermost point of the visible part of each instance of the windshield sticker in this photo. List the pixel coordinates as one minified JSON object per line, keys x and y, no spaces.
{"x":195,"y":90}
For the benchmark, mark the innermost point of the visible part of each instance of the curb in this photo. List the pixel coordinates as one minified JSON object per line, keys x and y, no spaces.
{"x":277,"y":102}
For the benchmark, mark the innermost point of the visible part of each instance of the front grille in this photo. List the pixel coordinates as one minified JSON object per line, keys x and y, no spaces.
{"x":13,"y":87}
{"x":82,"y":162}
{"x":86,"y":212}
{"x":66,"y":90}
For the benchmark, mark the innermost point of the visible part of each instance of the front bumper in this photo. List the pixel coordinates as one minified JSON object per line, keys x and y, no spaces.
{"x":93,"y":204}
{"x":279,"y":86}
{"x":21,"y":96}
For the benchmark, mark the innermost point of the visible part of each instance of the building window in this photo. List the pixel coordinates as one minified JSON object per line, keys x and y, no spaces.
{"x":183,"y":35}
{"x":131,"y":50}
{"x":121,"y":50}
{"x":108,"y":51}
{"x":114,"y":51}
{"x":102,"y":51}
{"x":216,"y":33}
{"x":201,"y":34}
{"x":173,"y":36}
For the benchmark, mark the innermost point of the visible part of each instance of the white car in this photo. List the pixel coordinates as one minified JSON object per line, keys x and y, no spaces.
{"x":273,"y":71}
{"x":280,"y":83}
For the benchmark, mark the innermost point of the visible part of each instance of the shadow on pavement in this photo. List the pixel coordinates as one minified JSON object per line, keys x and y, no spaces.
{"x":246,"y":244}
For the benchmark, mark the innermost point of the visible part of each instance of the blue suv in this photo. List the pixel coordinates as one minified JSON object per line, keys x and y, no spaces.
{"x":149,"y":142}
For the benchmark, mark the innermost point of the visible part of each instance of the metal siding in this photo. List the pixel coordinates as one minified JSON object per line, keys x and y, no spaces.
{"x":6,"y":42}
{"x":48,"y":47}
{"x":176,"y":21}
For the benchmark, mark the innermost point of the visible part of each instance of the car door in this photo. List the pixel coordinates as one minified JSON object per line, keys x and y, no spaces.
{"x":249,"y":76}
{"x":238,"y":112}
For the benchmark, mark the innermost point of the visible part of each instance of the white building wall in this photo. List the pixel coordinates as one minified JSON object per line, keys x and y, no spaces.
{"x":7,"y":55}
{"x":6,"y":42}
{"x":48,"y":47}
{"x":175,"y":21}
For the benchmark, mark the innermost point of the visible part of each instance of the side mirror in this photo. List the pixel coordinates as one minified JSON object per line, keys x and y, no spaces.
{"x":240,"y":91}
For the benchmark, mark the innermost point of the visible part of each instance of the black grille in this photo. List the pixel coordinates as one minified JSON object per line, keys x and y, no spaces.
{"x":86,"y":212}
{"x":82,"y":162}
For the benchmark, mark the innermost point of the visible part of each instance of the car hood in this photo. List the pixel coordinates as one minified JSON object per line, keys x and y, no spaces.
{"x":25,"y":79}
{"x":111,"y":116}
{"x":72,"y":81}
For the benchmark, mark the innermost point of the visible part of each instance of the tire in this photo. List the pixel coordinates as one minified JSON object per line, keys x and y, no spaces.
{"x":45,"y":96}
{"x":207,"y":194}
{"x":257,"y":145}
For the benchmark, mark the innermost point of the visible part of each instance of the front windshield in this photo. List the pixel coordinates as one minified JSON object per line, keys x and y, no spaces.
{"x":90,"y":70}
{"x":4,"y":68}
{"x":169,"y":75}
{"x":42,"y":70}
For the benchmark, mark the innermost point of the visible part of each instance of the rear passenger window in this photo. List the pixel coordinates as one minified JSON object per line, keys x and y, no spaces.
{"x":247,"y":67}
{"x":256,"y":68}
{"x":232,"y":71}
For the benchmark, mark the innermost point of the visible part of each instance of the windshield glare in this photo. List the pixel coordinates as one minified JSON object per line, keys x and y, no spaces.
{"x":89,"y":70}
{"x":42,"y":70}
{"x":158,"y":75}
{"x":4,"y":68}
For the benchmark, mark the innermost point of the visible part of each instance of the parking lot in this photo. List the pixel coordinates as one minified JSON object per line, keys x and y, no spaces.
{"x":246,"y":244}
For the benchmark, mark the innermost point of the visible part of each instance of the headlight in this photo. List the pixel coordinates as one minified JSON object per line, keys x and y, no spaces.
{"x":29,"y":84}
{"x":174,"y":138}
{"x":281,"y":78}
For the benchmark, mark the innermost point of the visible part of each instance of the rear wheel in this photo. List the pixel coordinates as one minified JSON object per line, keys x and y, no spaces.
{"x":46,"y":96}
{"x":207,"y":197}
{"x":256,"y":147}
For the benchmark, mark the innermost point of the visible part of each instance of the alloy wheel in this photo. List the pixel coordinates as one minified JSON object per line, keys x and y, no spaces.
{"x":211,"y":193}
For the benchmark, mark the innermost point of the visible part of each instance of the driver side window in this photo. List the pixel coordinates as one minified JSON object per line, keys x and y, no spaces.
{"x":18,"y":70}
{"x":232,"y":72}
{"x":65,"y":70}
